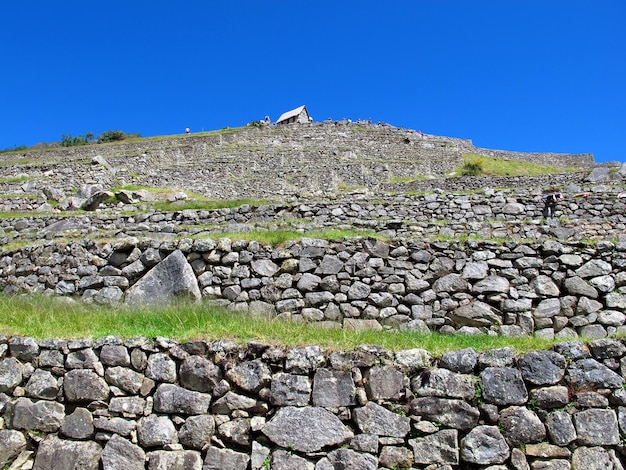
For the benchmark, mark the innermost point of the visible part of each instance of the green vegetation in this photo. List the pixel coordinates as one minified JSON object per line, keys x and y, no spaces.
{"x":16,"y":148}
{"x":474,"y":164}
{"x":278,"y":237}
{"x":45,"y":317}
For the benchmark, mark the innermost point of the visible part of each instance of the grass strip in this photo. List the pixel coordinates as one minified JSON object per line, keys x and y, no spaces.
{"x":50,"y":317}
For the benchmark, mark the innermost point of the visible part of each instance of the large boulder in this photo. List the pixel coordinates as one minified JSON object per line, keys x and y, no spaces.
{"x":173,"y":277}
{"x":59,"y":453}
{"x":307,"y":429}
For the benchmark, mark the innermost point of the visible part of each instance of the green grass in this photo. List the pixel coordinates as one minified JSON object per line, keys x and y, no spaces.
{"x":502,"y":167}
{"x":278,"y":237}
{"x":43,"y":317}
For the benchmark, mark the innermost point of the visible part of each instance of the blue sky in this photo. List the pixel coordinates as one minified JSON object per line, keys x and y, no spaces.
{"x":526,"y":75}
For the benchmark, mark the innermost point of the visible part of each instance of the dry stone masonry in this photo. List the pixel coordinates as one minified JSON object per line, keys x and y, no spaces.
{"x":158,"y":404}
{"x":471,"y":255}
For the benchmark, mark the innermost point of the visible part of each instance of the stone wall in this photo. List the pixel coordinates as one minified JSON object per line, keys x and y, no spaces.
{"x":156,"y":404}
{"x":318,"y":158}
{"x":549,"y":289}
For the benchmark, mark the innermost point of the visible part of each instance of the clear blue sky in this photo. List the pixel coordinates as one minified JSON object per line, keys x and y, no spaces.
{"x":527,"y":75}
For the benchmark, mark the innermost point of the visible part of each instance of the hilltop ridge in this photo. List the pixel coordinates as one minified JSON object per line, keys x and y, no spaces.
{"x":270,"y":160}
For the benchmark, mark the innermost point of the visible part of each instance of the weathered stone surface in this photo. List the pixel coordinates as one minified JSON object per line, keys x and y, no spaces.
{"x":304,"y":359}
{"x":120,"y":426}
{"x":250,"y":376}
{"x":376,"y":419}
{"x":60,"y":453}
{"x":156,"y":431}
{"x":306,"y":429}
{"x":410,"y":361}
{"x":463,"y":361}
{"x":78,"y":425}
{"x":225,"y":459}
{"x":597,"y":427}
{"x":560,"y":428}
{"x":174,"y":460}
{"x":456,"y":414}
{"x":283,"y":460}
{"x":439,"y":448}
{"x":232,"y":401}
{"x":348,"y":460}
{"x":332,"y":388}
{"x":172,"y":399}
{"x":592,"y":458}
{"x":589,"y":373}
{"x":503,"y":386}
{"x":44,"y":416}
{"x":444,"y":383}
{"x":172,"y":277}
{"x":542,"y":367}
{"x":12,"y":443}
{"x":484,"y":445}
{"x":10,"y":374}
{"x":548,"y":398}
{"x":291,"y":389}
{"x":236,"y":431}
{"x":199,"y":374}
{"x":196,"y":431}
{"x":121,"y":454}
{"x":84,"y":386}
{"x":384,"y":383}
{"x":23,"y":348}
{"x":125,"y":379}
{"x":161,"y":368}
{"x":521,"y":426}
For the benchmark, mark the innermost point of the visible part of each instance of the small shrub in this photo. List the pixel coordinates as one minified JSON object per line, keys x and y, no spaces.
{"x":110,"y":136}
{"x":472,"y":169}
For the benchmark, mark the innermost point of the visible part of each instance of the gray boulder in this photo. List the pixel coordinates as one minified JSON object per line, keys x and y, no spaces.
{"x":304,"y":359}
{"x":444,"y":383}
{"x":477,"y":314}
{"x":376,"y":419}
{"x":10,"y":374}
{"x":12,"y":443}
{"x":161,"y":368}
{"x":156,"y":431}
{"x":173,"y":277}
{"x":235,"y":402}
{"x":250,"y":376}
{"x":463,"y":361}
{"x":348,"y":459}
{"x":597,"y":427}
{"x":521,"y":426}
{"x":24,"y":348}
{"x":172,"y":399}
{"x":121,"y":454}
{"x":593,"y":458}
{"x":291,"y":390}
{"x":590,"y":374}
{"x":236,"y":431}
{"x":44,"y":416}
{"x":439,"y":448}
{"x":456,"y":414}
{"x":78,"y":425}
{"x":94,"y":201}
{"x":196,"y":431}
{"x":84,"y":386}
{"x":174,"y":460}
{"x":503,"y":386}
{"x":384,"y":383}
{"x":542,"y":367}
{"x":283,"y":460}
{"x":125,"y":379}
{"x":333,"y":388}
{"x":484,"y":445}
{"x":307,"y":429}
{"x":59,"y":453}
{"x":560,"y":428}
{"x":225,"y":459}
{"x":199,"y":374}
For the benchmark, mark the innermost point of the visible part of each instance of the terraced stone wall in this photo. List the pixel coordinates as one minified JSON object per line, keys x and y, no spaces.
{"x":317,"y":158}
{"x":550,"y":289}
{"x":155,"y":404}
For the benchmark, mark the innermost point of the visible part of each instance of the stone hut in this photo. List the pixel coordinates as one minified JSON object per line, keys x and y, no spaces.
{"x":299,"y":115}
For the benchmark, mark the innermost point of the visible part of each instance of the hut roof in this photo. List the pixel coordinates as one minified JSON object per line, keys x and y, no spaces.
{"x":292,"y":113}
